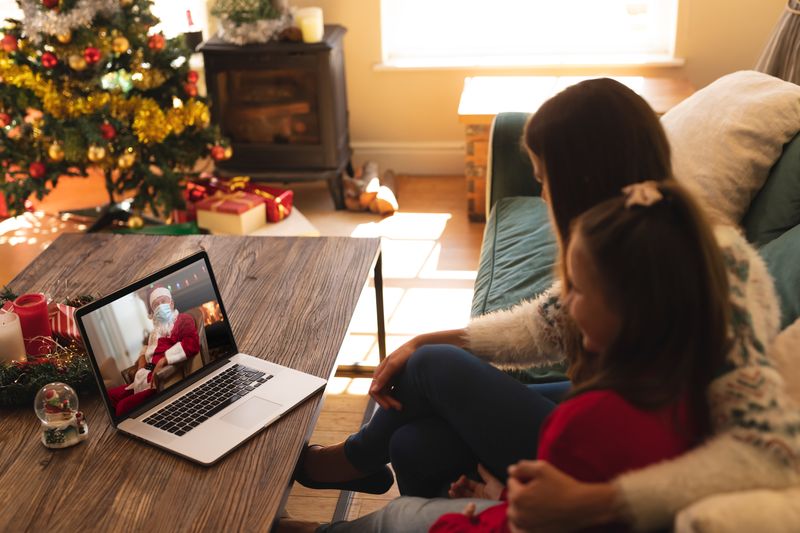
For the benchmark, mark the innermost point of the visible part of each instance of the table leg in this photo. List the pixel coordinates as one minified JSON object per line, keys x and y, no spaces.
{"x":379,"y":307}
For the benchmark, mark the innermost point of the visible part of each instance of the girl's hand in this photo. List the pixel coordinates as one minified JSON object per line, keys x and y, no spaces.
{"x":380,"y":389}
{"x":490,"y":489}
{"x":469,"y":511}
{"x":542,"y":498}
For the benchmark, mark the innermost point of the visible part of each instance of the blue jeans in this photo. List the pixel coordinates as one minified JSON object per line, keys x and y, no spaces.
{"x":458,"y":411}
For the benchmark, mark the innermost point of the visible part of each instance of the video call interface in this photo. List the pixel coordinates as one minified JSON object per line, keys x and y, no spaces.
{"x":151,"y":339}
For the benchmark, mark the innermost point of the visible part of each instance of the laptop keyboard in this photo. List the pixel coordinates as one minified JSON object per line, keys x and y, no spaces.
{"x":191,"y":410}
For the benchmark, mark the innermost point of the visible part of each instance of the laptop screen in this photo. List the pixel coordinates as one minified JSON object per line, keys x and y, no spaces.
{"x":147,"y":338}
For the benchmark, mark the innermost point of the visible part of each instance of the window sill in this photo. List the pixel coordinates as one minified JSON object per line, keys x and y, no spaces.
{"x":482,"y":63}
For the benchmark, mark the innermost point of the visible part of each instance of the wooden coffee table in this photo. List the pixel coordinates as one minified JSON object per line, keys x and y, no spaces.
{"x":289,"y":300}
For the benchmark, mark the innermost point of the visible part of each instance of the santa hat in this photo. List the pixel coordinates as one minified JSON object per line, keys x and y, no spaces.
{"x":157,"y":292}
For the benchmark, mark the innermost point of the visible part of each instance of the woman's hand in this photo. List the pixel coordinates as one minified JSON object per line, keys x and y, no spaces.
{"x":542,"y":498}
{"x":490,"y":489}
{"x":395,"y":362}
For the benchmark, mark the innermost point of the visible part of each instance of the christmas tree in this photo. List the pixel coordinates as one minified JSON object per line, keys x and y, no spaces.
{"x":87,"y":85}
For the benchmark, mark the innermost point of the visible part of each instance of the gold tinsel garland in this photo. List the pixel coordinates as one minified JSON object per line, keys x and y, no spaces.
{"x":149,"y":122}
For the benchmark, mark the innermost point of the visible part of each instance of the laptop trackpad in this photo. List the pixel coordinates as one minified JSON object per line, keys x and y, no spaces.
{"x":253,"y":411}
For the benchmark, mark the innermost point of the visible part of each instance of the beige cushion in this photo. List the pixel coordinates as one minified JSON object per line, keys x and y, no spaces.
{"x":786,"y":353}
{"x":773,"y":511}
{"x":727,"y":136}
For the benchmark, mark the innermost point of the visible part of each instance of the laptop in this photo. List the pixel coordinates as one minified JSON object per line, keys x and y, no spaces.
{"x":169,"y":371}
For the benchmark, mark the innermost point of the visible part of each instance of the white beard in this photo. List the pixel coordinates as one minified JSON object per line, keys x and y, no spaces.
{"x":160,"y":329}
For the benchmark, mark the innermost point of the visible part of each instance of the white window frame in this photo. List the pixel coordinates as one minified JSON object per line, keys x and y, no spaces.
{"x":501,"y":34}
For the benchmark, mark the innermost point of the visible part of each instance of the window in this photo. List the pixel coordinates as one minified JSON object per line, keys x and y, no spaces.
{"x":429,"y":33}
{"x":9,"y":10}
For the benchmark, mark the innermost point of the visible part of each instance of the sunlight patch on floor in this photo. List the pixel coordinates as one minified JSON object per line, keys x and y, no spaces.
{"x":406,"y":226}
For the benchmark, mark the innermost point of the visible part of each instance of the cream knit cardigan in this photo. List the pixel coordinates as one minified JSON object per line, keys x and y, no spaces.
{"x":757,"y":426}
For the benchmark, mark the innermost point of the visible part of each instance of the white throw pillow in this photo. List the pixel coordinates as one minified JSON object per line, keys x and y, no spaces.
{"x":785,"y":351}
{"x":726,"y":137}
{"x":773,"y":511}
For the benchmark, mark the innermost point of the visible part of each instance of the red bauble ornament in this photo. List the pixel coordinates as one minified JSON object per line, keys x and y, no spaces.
{"x":37,"y":169}
{"x":10,"y":44}
{"x":192,"y":76}
{"x":218,"y":153}
{"x":190,"y":89}
{"x":107,"y":131}
{"x":5,"y":120}
{"x":49,"y":60}
{"x":50,"y":4}
{"x":91,"y":55}
{"x":156,"y":42}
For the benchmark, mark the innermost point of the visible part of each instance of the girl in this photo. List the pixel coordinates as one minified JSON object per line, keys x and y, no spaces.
{"x":646,"y":286}
{"x":442,"y":408}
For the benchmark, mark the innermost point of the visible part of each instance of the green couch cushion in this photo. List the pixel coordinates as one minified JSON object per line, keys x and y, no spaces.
{"x":776,"y":207}
{"x":782,"y":256}
{"x":517,"y":256}
{"x":517,"y":262}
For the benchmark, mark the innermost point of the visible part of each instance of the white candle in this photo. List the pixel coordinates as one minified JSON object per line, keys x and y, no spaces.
{"x":309,"y":20}
{"x":12,"y":348}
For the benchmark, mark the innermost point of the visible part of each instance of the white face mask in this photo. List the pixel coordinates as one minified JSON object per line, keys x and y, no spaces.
{"x":162,"y":314}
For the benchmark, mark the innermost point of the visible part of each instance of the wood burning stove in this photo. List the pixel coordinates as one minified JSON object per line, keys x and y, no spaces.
{"x":284,"y":107}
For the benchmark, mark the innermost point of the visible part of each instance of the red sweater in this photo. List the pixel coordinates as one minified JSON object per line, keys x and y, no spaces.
{"x":593,"y":437}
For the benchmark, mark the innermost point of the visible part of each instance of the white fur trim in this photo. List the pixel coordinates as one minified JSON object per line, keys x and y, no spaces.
{"x":158,"y":292}
{"x":724,"y":464}
{"x":175,"y":354}
{"x":526,"y":335}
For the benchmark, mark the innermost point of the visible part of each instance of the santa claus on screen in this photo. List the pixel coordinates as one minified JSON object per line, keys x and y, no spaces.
{"x":173,"y":340}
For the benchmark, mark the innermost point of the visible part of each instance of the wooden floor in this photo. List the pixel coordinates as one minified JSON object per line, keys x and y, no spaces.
{"x":430,"y":255}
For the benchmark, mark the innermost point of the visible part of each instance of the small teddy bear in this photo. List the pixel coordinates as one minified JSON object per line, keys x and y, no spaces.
{"x":365,"y":192}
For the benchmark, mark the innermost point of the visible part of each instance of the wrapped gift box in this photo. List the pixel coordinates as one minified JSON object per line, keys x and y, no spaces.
{"x":278,"y":201}
{"x":197,"y":189}
{"x":62,"y":321}
{"x":235,"y":213}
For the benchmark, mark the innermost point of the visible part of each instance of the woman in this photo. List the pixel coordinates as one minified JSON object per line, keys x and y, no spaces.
{"x":586,"y":143}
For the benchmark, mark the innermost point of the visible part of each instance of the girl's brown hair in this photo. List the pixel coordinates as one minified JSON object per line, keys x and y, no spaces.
{"x":664,"y":275}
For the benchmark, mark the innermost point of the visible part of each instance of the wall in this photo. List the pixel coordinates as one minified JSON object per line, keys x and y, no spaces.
{"x":407,"y":120}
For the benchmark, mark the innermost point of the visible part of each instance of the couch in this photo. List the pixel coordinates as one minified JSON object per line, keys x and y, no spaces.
{"x":519,"y":247}
{"x":518,"y":254}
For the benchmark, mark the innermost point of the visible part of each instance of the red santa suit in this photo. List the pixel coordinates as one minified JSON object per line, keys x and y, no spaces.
{"x":181,"y":344}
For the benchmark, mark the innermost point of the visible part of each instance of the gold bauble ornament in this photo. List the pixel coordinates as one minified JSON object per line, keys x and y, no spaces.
{"x":228,"y":152}
{"x":64,"y":38}
{"x":126,"y":160}
{"x":135,"y":222}
{"x":120,"y":45}
{"x":77,"y":62}
{"x":96,"y":153}
{"x":55,"y":152}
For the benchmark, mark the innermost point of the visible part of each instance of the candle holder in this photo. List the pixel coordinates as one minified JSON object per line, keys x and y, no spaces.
{"x":12,"y":347}
{"x":35,"y":322}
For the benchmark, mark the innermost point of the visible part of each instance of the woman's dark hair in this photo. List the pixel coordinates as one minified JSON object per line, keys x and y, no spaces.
{"x":664,"y":275}
{"x":593,"y":138}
